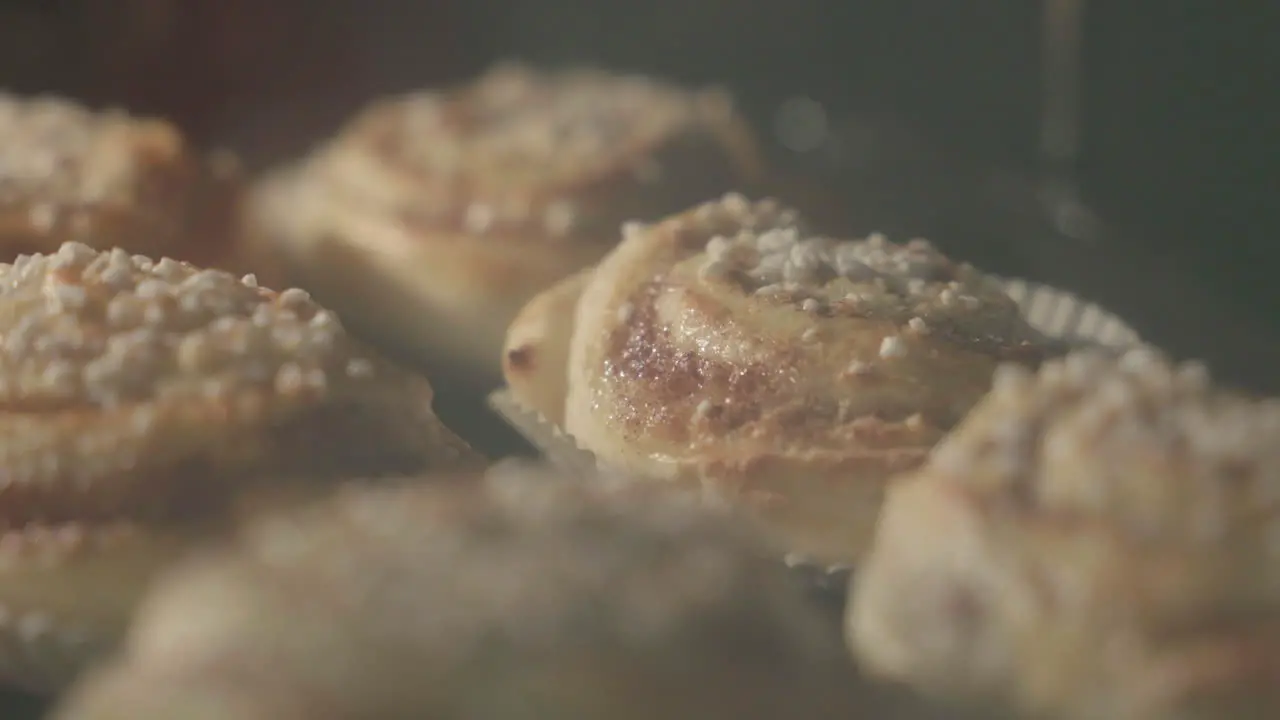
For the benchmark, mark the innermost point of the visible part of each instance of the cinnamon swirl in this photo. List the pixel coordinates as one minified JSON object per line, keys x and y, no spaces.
{"x":790,"y":374}
{"x":141,"y":403}
{"x":432,"y":217}
{"x":524,"y":595}
{"x":1097,"y":540}
{"x":108,"y":179}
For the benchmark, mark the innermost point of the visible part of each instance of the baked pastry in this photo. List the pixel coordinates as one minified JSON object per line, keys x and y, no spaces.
{"x":525,"y":595}
{"x":535,"y":356}
{"x":141,"y":404}
{"x":108,"y":179}
{"x":1095,"y":541}
{"x":787,"y":373}
{"x":431,"y":218}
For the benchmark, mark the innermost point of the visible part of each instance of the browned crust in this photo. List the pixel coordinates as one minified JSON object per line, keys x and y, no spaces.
{"x":659,"y":388}
{"x":683,"y":366}
{"x":693,"y":140}
{"x":126,"y":182}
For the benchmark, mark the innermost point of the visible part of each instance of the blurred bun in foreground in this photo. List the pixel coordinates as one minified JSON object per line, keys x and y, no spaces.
{"x":522,"y":594}
{"x":1097,"y":540}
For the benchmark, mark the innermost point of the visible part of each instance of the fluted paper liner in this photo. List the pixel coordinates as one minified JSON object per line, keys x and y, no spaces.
{"x":1058,"y":314}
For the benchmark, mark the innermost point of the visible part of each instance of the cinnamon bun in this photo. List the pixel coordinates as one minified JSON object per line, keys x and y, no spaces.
{"x":523,"y":595}
{"x":108,"y":179}
{"x":1097,"y":540}
{"x":141,"y":404}
{"x":787,"y":373}
{"x":431,"y":218}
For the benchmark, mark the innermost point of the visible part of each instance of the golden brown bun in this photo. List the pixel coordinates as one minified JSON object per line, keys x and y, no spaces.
{"x":789,"y":374}
{"x":522,"y":594}
{"x":1095,"y":541}
{"x":107,"y":179}
{"x":431,"y":218}
{"x":140,"y":403}
{"x":535,"y":358}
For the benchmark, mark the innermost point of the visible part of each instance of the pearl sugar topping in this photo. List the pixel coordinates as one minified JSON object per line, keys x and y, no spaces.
{"x":1127,"y":413}
{"x":57,"y":148}
{"x":532,"y":130}
{"x":110,"y":327}
{"x":514,"y":117}
{"x":764,"y":249}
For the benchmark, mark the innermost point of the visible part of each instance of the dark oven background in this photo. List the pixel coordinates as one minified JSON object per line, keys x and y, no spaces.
{"x":932,"y":107}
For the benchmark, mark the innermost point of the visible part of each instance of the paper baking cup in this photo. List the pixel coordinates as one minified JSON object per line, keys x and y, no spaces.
{"x":546,"y":436}
{"x":1061,"y":315}
{"x":1056,"y":313}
